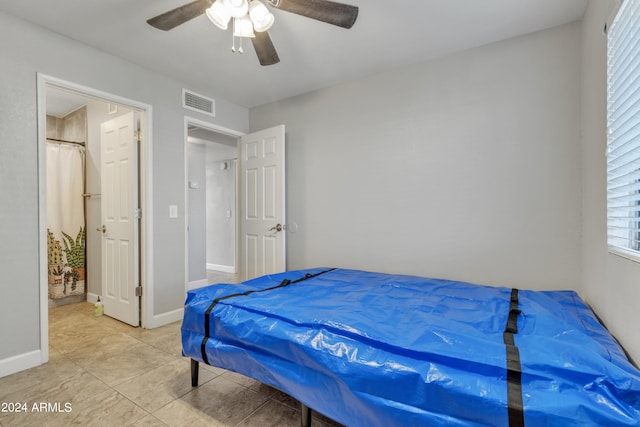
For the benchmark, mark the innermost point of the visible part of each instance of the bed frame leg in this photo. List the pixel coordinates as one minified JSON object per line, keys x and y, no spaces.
{"x":195,"y":368}
{"x":305,"y":416}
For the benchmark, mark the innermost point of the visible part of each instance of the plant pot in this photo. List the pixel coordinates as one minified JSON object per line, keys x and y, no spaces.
{"x":81,"y":273}
{"x":52,"y":278}
{"x":56,"y":290}
{"x":79,"y":288}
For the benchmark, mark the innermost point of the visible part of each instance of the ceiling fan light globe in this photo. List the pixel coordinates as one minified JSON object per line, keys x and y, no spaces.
{"x":257,"y":10}
{"x":263,"y":26}
{"x":260,"y":16}
{"x":237,"y":8}
{"x":243,"y":27}
{"x":219,"y":14}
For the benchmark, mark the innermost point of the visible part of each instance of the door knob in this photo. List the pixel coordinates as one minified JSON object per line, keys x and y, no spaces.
{"x":277,"y":227}
{"x":103,"y":229}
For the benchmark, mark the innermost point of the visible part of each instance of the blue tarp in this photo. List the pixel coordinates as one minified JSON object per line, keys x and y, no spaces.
{"x":372,"y":349}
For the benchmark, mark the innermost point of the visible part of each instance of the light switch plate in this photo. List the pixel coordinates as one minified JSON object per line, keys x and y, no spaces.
{"x":173,"y":211}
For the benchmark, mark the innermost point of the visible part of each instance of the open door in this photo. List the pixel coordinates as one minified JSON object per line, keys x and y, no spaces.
{"x":120,"y":218}
{"x":262,"y":224}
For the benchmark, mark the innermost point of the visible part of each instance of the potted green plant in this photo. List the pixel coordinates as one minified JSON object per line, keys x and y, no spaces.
{"x":74,"y":250}
{"x":71,"y":276}
{"x":55,"y":266}
{"x":56,"y":287}
{"x":54,"y":255}
{"x":57,"y":273}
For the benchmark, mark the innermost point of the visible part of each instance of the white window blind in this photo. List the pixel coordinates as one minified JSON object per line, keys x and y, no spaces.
{"x":623,"y":131}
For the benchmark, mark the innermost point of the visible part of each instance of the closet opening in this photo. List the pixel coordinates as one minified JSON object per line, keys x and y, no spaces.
{"x":211,"y":155}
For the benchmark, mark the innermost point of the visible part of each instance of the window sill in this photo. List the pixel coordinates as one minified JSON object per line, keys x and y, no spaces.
{"x":628,"y":254}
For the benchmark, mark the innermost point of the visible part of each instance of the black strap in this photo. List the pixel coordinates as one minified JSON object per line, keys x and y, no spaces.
{"x":203,"y":350}
{"x":514,"y":367}
{"x":207,"y":315}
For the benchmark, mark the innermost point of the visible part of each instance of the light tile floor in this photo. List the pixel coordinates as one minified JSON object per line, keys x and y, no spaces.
{"x":221,"y":277}
{"x":102,"y":372}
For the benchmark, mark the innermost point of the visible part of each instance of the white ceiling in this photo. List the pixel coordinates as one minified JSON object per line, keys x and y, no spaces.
{"x":313,"y":55}
{"x":60,"y":102}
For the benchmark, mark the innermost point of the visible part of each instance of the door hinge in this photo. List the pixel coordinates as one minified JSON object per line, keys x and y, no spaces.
{"x":137,"y":135}
{"x":138,"y":292}
{"x":137,"y":213}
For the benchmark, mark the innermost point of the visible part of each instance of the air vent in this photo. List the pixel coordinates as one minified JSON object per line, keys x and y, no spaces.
{"x":195,"y":102}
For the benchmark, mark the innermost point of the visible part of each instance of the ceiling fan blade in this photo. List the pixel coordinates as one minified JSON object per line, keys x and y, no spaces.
{"x":179,"y":15}
{"x":342,"y":15}
{"x":265,"y":49}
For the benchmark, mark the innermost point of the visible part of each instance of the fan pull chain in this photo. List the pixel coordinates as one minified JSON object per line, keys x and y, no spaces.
{"x":233,"y":45}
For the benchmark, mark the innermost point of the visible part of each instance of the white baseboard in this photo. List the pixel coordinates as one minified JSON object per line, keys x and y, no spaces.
{"x":198,"y":284}
{"x":156,"y":321}
{"x":92,"y":298}
{"x":166,"y":318}
{"x":223,"y":268}
{"x":18,"y":363}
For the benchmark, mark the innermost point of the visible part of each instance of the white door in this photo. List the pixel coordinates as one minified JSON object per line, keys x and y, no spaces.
{"x":119,"y":188}
{"x":262,"y":195}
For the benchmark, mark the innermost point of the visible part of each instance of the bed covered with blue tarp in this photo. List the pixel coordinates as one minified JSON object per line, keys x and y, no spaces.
{"x":372,"y":349}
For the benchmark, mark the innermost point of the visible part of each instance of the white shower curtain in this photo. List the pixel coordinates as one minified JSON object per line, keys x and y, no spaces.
{"x":65,"y":219}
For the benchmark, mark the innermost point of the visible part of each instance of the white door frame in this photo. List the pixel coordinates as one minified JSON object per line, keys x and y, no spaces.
{"x":146,"y":200}
{"x":218,"y":129}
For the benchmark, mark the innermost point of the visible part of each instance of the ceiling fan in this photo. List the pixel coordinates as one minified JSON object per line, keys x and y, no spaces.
{"x":252,"y":19}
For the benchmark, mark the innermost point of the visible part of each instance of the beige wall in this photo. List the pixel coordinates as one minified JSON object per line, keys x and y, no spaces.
{"x":26,"y":51}
{"x":466,"y":167}
{"x":611,"y":284}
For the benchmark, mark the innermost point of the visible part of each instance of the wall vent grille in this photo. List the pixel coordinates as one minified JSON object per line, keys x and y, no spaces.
{"x":196,"y":102}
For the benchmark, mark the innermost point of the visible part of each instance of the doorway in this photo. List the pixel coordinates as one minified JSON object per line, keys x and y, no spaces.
{"x":212,"y":204}
{"x":58,"y":100}
{"x":74,"y":196}
{"x":260,"y":203}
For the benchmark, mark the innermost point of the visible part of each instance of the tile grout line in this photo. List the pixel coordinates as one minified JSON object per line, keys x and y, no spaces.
{"x":110,"y":387}
{"x":239,"y":424}
{"x":157,"y":350}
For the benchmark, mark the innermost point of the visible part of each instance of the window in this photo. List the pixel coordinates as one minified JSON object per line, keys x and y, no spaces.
{"x":623,"y":132}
